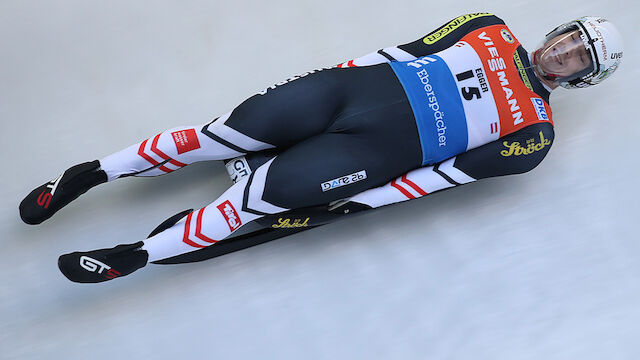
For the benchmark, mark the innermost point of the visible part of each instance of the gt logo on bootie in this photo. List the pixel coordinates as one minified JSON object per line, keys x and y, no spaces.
{"x":94,"y":265}
{"x":45,"y":197}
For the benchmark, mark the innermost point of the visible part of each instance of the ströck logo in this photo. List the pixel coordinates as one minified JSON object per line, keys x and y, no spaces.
{"x":531,"y":146}
{"x":288,"y":223}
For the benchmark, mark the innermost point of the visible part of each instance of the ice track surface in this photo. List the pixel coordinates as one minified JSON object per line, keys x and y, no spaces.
{"x":543,"y":265}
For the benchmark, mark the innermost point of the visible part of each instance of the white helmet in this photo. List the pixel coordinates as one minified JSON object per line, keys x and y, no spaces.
{"x":601,"y":44}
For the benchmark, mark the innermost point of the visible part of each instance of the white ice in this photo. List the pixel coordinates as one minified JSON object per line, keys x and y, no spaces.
{"x":544,"y":265}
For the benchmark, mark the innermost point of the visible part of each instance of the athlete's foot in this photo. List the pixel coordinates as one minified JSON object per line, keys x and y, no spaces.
{"x":47,"y":199}
{"x":104,"y":264}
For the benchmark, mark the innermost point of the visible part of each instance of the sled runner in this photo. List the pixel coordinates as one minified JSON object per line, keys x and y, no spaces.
{"x":266,"y":229}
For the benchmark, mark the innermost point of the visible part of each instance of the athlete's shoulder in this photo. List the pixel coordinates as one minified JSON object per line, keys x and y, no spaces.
{"x":483,"y":19}
{"x":465,"y":24}
{"x":541,"y":130}
{"x":450,"y":33}
{"x":516,"y":153}
{"x":474,"y":21}
{"x":529,"y":145}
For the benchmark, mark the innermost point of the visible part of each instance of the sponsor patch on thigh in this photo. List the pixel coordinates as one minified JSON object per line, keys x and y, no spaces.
{"x":186,"y":140}
{"x":343,"y":180}
{"x":230,"y":215}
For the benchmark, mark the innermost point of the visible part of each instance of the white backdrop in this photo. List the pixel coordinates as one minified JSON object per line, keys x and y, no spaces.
{"x":536,"y":266}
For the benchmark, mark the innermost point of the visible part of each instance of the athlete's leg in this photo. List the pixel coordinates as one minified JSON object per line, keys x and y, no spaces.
{"x":178,"y":147}
{"x":207,"y":225}
{"x":321,"y":169}
{"x":372,"y":140}
{"x":302,"y":176}
{"x":195,"y":231}
{"x":278,"y":118}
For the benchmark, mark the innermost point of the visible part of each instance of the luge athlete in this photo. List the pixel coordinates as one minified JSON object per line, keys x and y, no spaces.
{"x":463,"y":103}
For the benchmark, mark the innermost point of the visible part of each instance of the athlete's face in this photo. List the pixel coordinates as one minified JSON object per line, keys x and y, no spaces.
{"x":564,"y":55}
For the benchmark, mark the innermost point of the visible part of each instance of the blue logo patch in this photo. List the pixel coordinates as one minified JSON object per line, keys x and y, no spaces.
{"x":538,"y":104}
{"x":435,"y":100}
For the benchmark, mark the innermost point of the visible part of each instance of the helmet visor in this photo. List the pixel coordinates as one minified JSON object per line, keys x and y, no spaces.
{"x":566,"y":54}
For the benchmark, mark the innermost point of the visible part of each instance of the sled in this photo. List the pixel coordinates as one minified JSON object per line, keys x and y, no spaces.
{"x":268,"y":228}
